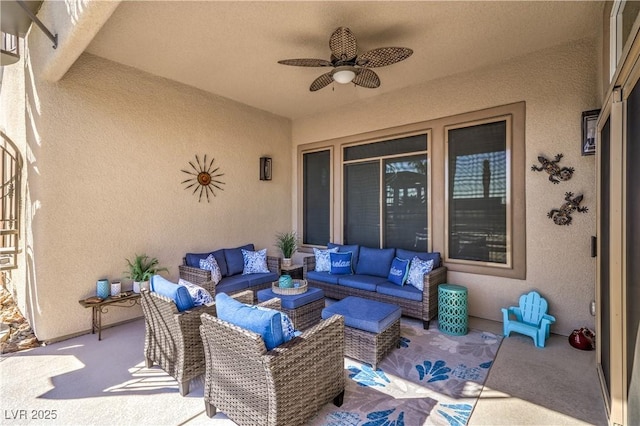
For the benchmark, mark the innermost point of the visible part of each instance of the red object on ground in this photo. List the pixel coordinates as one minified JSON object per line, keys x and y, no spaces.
{"x":583,"y":339}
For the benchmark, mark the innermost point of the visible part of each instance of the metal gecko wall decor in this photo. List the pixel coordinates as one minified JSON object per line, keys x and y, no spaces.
{"x":204,"y":178}
{"x":556,"y":173}
{"x":562,"y":216}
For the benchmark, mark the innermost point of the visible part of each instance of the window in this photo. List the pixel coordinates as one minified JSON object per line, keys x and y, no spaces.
{"x":477,"y":192}
{"x":316,"y":183}
{"x":623,"y":16}
{"x":385,"y":194}
{"x":455,"y":185}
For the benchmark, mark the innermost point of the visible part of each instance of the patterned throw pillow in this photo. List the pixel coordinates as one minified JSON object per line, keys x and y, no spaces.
{"x":210,"y":264}
{"x":399,"y":271}
{"x":323,"y":263}
{"x":341,"y":263}
{"x":199,"y":295}
{"x":288,"y":332}
{"x":417,"y":270}
{"x":255,"y":262}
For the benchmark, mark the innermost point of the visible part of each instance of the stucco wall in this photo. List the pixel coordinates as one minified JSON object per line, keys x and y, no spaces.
{"x":557,"y":85}
{"x":107,"y":145}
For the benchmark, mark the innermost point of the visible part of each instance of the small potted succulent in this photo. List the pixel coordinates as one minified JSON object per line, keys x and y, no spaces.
{"x":287,"y":243}
{"x":141,"y":269}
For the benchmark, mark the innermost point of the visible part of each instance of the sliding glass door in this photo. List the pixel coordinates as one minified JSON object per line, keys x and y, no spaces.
{"x":385,"y":194}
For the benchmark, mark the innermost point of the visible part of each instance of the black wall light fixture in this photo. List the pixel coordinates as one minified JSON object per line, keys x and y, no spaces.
{"x":265,"y":168}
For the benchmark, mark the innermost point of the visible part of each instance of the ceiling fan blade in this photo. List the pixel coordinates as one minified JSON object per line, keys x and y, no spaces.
{"x":383,"y":56}
{"x":306,"y":62}
{"x":320,"y":82}
{"x":366,"y":78}
{"x":343,"y":44}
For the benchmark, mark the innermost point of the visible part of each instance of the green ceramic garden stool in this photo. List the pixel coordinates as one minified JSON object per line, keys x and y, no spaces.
{"x":452,"y":309}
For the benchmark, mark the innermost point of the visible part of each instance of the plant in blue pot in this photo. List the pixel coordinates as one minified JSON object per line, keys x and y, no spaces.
{"x":285,"y":281}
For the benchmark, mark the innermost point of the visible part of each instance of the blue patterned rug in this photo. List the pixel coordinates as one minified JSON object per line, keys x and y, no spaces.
{"x":432,"y":379}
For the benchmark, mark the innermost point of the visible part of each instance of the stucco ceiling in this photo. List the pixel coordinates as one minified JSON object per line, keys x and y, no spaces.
{"x":231,"y":48}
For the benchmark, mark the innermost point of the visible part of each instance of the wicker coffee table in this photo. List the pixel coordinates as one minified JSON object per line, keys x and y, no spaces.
{"x":304,"y":309}
{"x":371,"y":328}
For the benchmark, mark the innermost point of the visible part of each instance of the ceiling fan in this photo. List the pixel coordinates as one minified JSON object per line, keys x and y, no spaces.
{"x":347,"y":65}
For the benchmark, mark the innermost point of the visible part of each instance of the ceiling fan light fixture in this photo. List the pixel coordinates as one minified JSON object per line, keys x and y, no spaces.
{"x":343,"y":75}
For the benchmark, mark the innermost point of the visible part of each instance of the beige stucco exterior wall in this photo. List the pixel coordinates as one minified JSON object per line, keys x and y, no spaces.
{"x":557,"y":85}
{"x":106,"y":145}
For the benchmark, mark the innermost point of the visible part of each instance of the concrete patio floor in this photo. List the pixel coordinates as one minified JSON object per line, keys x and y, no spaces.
{"x":83,"y":381}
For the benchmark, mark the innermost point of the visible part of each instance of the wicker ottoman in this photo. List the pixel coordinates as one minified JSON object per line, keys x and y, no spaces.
{"x":371,"y":328}
{"x":304,"y":309}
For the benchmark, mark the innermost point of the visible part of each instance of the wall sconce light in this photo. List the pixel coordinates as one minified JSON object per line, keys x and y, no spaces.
{"x":265,"y":168}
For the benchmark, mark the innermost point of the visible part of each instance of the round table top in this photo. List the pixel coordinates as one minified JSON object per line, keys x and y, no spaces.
{"x":452,"y":287}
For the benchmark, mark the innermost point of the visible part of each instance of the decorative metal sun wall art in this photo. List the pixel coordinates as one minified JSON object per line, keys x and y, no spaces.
{"x":556,"y":173}
{"x":205,"y":178}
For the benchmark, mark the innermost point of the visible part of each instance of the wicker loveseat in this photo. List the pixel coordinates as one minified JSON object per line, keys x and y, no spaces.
{"x":370,"y":266}
{"x":231,"y":266}
{"x":285,"y":386}
{"x":172,"y":338}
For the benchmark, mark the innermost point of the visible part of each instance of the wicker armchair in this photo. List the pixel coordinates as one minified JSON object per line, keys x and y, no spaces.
{"x":287,"y":385}
{"x":202,"y":277}
{"x":172,"y":338}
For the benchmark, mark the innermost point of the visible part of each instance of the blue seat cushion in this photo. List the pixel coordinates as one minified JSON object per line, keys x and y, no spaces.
{"x":179,"y":294}
{"x":235,"y":260}
{"x":406,"y":291}
{"x":353,"y":248}
{"x":323,"y":276}
{"x":266,"y":323}
{"x":375,"y":261}
{"x":232,"y":284}
{"x":262,"y":278}
{"x":363,"y":282}
{"x":292,"y":301}
{"x":364,"y":314}
{"x":408,"y":254}
{"x":193,"y":260}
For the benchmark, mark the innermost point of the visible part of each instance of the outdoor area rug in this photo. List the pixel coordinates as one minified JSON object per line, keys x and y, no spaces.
{"x":432,"y":379}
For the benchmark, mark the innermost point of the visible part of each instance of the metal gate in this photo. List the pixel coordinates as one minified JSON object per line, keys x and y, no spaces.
{"x":10,"y":200}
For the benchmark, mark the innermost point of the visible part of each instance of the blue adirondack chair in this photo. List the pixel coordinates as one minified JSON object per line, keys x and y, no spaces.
{"x":531,"y":318}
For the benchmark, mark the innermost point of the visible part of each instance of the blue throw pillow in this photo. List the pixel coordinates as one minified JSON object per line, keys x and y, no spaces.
{"x":255,"y":262}
{"x":399,"y":271}
{"x":288,"y":330}
{"x":179,"y":294}
{"x":323,"y":263}
{"x":340,"y":263}
{"x":417,"y":270}
{"x":199,"y":295}
{"x":353,"y":248}
{"x":211,"y":264}
{"x":266,"y":323}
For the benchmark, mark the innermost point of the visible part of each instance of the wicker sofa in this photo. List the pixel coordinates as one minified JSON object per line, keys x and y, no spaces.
{"x":230,"y":262}
{"x":287,"y":385}
{"x":368,"y":281}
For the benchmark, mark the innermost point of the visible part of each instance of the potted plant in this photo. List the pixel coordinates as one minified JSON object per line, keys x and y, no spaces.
{"x":287,"y":243}
{"x":141,"y":269}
